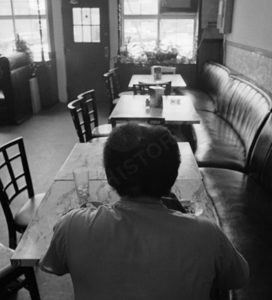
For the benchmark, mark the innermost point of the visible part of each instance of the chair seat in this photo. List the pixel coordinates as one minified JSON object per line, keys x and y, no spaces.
{"x":25,"y":214}
{"x":244,"y":210}
{"x":218,"y":144}
{"x":5,"y":256}
{"x":102,"y":130}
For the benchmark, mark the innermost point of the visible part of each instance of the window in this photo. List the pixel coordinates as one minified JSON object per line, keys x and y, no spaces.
{"x":148,"y":28}
{"x":86,"y":25}
{"x":26,"y":22}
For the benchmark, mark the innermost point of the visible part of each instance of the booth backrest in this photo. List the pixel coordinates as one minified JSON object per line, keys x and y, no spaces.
{"x":260,"y":162}
{"x":243,"y":105}
{"x":214,"y":78}
{"x":246,"y":109}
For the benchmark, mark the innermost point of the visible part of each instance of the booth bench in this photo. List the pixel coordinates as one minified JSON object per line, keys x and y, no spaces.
{"x":234,"y":154}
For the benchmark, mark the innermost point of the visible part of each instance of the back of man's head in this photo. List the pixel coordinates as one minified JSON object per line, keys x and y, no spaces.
{"x":141,"y":160}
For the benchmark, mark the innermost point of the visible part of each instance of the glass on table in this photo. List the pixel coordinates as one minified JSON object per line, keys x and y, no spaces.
{"x":81,"y":179}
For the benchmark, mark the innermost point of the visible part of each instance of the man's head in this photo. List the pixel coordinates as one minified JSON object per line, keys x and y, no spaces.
{"x":141,"y":160}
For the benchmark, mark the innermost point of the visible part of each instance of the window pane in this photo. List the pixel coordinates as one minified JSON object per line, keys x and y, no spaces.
{"x":179,"y":34}
{"x":95,"y":16}
{"x":140,"y":34}
{"x":28,"y":7}
{"x":86,"y":16}
{"x":95,"y":34}
{"x":78,"y":34}
{"x":29,"y":30}
{"x":140,"y":7}
{"x":77,"y":20}
{"x":7,"y":37}
{"x":5,"y":7}
{"x":86,"y":30}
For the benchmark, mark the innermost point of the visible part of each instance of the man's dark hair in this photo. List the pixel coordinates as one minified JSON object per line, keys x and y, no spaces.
{"x":141,"y":160}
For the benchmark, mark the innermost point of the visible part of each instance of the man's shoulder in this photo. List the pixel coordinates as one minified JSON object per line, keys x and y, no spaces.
{"x":198,"y":223}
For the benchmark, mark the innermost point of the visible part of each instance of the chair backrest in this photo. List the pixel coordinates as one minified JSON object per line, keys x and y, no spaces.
{"x":142,"y":88}
{"x":141,"y":121}
{"x":15,"y":179}
{"x":112,"y":86}
{"x":13,"y":278}
{"x":84,"y":114}
{"x":165,"y":69}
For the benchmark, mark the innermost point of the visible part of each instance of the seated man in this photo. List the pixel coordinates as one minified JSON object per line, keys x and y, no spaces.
{"x":137,"y":248}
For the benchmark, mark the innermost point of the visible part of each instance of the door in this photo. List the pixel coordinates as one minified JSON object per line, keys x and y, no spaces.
{"x":86,"y":42}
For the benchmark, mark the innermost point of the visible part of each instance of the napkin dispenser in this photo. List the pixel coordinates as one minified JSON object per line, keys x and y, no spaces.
{"x":156,"y":71}
{"x":156,"y":93}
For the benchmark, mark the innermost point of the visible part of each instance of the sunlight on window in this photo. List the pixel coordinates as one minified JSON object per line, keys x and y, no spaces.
{"x":28,"y":7}
{"x":147,"y":31}
{"x":26,"y":26}
{"x":178,"y":34}
{"x":86,"y":25}
{"x":141,"y":7}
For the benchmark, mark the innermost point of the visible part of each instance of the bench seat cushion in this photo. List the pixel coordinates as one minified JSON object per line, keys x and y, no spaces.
{"x":200,"y":99}
{"x":217,"y":144}
{"x":244,"y":209}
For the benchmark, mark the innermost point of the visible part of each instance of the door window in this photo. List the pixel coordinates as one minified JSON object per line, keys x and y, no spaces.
{"x":86,"y":25}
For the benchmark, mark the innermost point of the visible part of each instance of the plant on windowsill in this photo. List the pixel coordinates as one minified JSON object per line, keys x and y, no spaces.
{"x":131,"y":54}
{"x":22,"y":46}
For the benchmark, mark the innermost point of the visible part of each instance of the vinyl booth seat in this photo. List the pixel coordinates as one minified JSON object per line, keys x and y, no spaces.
{"x":225,"y":136}
{"x":243,"y":202}
{"x":234,"y":153}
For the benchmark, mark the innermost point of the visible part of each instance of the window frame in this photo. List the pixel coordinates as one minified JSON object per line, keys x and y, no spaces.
{"x":37,"y":16}
{"x":166,"y":15}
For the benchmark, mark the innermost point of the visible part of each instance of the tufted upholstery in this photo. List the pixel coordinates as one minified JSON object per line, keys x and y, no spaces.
{"x":213,"y":150}
{"x":214,"y":78}
{"x":213,"y":81}
{"x":244,"y":209}
{"x":241,"y":109}
{"x":234,"y":148}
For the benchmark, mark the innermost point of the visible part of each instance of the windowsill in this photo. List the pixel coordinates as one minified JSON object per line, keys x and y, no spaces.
{"x":152,"y":63}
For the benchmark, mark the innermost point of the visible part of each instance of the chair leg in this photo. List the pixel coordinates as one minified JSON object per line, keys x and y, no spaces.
{"x":32,"y":285}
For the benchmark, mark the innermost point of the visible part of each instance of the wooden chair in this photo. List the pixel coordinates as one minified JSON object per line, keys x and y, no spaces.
{"x":153,"y":121}
{"x":13,"y":278}
{"x":15,"y":181}
{"x":116,"y":81}
{"x":112,"y":82}
{"x":84,"y":114}
{"x":142,"y":88}
{"x":165,"y":69}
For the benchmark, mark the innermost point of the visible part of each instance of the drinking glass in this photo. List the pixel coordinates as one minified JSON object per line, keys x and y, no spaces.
{"x":81,"y":179}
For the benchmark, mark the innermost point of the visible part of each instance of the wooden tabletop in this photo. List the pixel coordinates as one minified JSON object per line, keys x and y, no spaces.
{"x":176,"y":80}
{"x":61,"y":197}
{"x":90,"y":155}
{"x":176,"y":110}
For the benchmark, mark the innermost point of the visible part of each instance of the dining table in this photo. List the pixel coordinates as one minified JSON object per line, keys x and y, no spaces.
{"x":61,"y":196}
{"x":175,"y":110}
{"x":176,"y":80}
